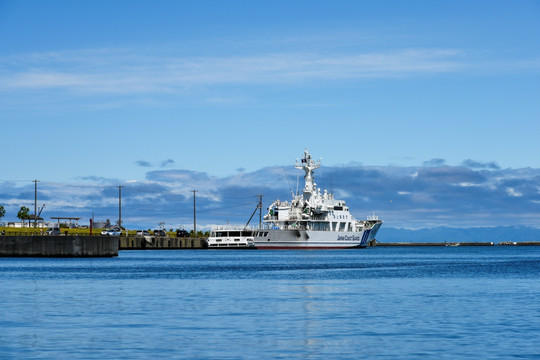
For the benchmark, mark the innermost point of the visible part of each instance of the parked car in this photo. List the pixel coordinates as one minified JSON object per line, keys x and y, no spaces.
{"x":160,"y":233}
{"x":112,"y":232}
{"x":53,"y":231}
{"x":182,"y":233}
{"x":143,"y":233}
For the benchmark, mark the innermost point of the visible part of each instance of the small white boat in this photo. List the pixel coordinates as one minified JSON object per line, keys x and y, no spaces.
{"x":231,"y":237}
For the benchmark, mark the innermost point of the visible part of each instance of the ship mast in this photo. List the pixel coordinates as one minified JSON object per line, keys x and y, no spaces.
{"x":308,"y":165}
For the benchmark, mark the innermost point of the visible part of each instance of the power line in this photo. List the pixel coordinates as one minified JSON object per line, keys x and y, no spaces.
{"x":17,"y":181}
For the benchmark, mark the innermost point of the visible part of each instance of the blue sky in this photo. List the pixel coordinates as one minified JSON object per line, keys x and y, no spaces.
{"x":428,"y":111}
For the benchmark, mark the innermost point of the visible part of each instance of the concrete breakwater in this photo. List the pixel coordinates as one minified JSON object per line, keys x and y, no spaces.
{"x":161,"y":243}
{"x":506,"y":243}
{"x":58,"y":246}
{"x":378,"y":244}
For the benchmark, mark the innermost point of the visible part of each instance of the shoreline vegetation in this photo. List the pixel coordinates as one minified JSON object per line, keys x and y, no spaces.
{"x":29,"y":231}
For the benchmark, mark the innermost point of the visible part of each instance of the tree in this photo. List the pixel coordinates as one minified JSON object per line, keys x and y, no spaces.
{"x":2,"y":212}
{"x":23,"y":213}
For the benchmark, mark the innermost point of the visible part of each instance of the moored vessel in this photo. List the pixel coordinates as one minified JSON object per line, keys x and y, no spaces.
{"x":313,"y":220}
{"x":231,"y":237}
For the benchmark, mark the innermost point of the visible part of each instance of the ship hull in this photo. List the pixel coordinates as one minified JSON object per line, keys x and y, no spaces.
{"x":305,"y":239}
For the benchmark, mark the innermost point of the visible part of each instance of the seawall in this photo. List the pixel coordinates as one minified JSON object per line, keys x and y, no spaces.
{"x":58,"y":246}
{"x":161,"y":243}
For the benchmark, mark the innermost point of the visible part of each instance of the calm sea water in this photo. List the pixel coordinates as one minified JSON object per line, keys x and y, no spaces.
{"x":380,"y":303}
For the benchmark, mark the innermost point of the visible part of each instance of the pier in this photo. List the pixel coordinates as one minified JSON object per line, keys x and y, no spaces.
{"x":160,"y":243}
{"x":58,"y":246}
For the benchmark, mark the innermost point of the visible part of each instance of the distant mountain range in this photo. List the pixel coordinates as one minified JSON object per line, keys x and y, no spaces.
{"x":476,"y":234}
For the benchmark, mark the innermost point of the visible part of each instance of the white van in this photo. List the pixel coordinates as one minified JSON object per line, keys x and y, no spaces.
{"x":53,"y":231}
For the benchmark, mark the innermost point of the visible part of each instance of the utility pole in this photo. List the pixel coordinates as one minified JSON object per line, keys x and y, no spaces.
{"x":35,"y":202}
{"x":259,"y":207}
{"x":120,"y":206}
{"x":260,"y":211}
{"x":194,"y":214}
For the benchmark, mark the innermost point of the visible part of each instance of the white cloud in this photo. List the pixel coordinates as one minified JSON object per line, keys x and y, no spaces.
{"x":468,"y":184}
{"x":513,"y":192}
{"x":123,"y":71}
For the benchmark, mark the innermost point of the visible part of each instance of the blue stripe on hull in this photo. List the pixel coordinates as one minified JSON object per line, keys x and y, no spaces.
{"x":365,"y":238}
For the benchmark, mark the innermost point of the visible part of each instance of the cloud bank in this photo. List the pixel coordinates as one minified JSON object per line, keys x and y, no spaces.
{"x":435,"y":194}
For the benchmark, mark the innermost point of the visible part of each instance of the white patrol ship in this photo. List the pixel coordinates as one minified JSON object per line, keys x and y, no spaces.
{"x":313,"y":220}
